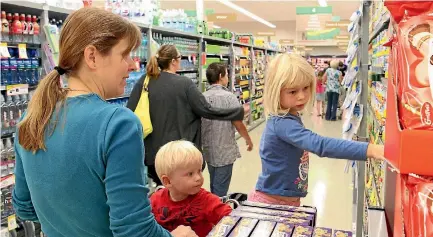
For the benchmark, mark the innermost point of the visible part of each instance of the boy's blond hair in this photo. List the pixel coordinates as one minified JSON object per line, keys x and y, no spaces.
{"x":286,"y":71}
{"x":334,"y":64}
{"x":176,"y":155}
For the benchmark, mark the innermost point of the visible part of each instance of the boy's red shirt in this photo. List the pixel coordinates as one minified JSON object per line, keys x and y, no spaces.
{"x":201,"y":211}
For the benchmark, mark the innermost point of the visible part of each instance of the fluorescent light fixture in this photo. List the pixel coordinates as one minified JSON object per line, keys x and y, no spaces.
{"x":247,"y":13}
{"x":216,"y":27}
{"x":322,"y":3}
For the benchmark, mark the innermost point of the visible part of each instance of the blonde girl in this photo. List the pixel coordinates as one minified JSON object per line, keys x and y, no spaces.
{"x":286,"y":143}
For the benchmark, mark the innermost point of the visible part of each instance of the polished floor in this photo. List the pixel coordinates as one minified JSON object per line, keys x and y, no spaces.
{"x":330,"y":188}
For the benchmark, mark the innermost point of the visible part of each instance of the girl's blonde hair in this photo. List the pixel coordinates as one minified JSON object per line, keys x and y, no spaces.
{"x":286,"y":71}
{"x":84,"y":27}
{"x":176,"y":155}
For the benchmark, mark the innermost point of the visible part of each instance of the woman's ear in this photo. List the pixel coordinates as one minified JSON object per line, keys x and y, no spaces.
{"x":90,"y":55}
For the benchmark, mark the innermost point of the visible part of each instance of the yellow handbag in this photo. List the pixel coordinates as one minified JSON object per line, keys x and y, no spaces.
{"x":142,"y":110}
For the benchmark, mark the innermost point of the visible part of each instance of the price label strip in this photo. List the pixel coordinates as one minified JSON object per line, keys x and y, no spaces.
{"x":4,"y":50}
{"x":18,"y":89}
{"x":22,"y":51}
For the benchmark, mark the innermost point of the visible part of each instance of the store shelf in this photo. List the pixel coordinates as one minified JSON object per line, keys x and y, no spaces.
{"x":211,"y":39}
{"x":175,"y":33}
{"x":379,"y":28}
{"x":142,"y":25}
{"x":241,"y":44}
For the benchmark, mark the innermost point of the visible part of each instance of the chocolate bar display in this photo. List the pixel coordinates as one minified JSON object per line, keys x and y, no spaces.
{"x":224,"y":227}
{"x":282,"y":230}
{"x":342,"y":233}
{"x":310,"y":210}
{"x":263,"y":217}
{"x":302,"y":231}
{"x":263,"y":228}
{"x":244,"y":228}
{"x":322,"y":232}
{"x":258,"y":210}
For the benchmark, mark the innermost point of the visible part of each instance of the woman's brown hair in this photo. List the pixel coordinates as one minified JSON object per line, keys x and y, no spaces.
{"x":84,"y":27}
{"x":161,"y":60}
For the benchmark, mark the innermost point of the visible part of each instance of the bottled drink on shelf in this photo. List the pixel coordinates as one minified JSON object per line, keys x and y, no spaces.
{"x":10,"y":154}
{"x":30,"y":28}
{"x":12,"y":108}
{"x":17,"y":33}
{"x":25,"y":28}
{"x":5,"y":28}
{"x":5,"y":116}
{"x":36,"y":29}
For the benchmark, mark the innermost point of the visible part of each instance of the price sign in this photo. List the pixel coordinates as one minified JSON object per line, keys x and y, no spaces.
{"x":22,"y":51}
{"x":4,"y":50}
{"x":12,"y":222}
{"x":18,"y":89}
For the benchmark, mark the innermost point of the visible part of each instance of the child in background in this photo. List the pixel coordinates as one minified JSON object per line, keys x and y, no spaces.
{"x":220,"y":149}
{"x":320,"y":93}
{"x":183,"y":201}
{"x":286,"y":142}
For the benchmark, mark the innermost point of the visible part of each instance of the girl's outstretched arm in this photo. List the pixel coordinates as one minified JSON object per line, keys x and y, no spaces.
{"x":293,"y":132}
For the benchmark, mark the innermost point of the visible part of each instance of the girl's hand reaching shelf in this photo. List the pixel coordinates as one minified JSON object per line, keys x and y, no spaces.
{"x":376,"y":152}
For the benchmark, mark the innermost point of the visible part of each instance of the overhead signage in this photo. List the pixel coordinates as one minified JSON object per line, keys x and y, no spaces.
{"x":339,"y":24}
{"x":266,"y":33}
{"x":313,"y":10}
{"x":287,"y":41}
{"x":326,"y":34}
{"x":222,"y":17}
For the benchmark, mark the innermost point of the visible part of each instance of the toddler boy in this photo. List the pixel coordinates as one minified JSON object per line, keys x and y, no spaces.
{"x":220,"y":149}
{"x":183,"y":201}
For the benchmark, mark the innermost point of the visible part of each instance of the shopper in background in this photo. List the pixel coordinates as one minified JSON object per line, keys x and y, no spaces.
{"x":332,"y":79}
{"x":342,"y":68}
{"x":176,"y":105}
{"x":183,"y":201}
{"x":79,"y":160}
{"x":320,"y":93}
{"x":285,"y":142}
{"x":220,"y":149}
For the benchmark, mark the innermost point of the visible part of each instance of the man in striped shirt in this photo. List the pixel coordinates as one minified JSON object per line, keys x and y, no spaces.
{"x":220,"y":149}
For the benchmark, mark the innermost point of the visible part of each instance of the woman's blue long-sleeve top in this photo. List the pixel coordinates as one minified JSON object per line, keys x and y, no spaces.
{"x":91,"y":179}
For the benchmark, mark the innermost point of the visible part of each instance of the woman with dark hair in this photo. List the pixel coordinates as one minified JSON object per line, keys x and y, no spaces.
{"x":176,"y":106}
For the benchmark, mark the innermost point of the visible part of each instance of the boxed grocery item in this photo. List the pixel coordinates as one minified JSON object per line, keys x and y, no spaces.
{"x":263,"y":229}
{"x":224,"y":227}
{"x":417,"y":202}
{"x":270,"y":212}
{"x":414,"y":52}
{"x":322,"y":232}
{"x":342,"y":233}
{"x":263,"y":217}
{"x":282,"y":230}
{"x":302,"y":231}
{"x":302,"y":209}
{"x":244,"y":228}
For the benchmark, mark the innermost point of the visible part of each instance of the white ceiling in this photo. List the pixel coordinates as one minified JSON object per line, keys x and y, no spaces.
{"x":269,"y":10}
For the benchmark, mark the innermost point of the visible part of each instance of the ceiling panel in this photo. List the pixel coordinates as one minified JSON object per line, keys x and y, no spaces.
{"x":268,"y":10}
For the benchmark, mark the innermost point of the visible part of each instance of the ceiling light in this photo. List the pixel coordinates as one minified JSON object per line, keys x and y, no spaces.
{"x":322,"y":3}
{"x":247,"y":13}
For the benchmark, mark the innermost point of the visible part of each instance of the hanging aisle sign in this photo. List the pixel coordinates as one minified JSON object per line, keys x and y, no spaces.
{"x":222,"y":17}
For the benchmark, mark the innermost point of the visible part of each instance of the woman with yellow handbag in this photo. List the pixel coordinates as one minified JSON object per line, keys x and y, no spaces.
{"x":175,"y":104}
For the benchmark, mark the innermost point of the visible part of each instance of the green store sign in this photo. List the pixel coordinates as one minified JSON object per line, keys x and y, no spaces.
{"x":322,"y":34}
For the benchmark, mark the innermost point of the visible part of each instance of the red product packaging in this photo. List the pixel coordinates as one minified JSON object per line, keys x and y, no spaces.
{"x":413,"y":62}
{"x":417,"y":198}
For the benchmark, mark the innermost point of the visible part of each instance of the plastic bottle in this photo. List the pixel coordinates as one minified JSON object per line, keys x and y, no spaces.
{"x":17,"y":29}
{"x":25,"y":102}
{"x":12,"y":113}
{"x":30,"y":28}
{"x":5,"y":27}
{"x":12,"y":73}
{"x":4,"y":164}
{"x":10,"y":20}
{"x":25,"y":28}
{"x":4,"y":71}
{"x":19,"y":106}
{"x":5,"y":117}
{"x":10,"y":153}
{"x":36,"y":29}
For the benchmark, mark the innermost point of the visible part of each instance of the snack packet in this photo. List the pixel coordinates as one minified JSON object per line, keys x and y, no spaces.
{"x":263,"y":228}
{"x":282,"y":230}
{"x":224,"y":227}
{"x":244,"y":228}
{"x":322,"y":232}
{"x":303,"y":231}
{"x":342,"y":233}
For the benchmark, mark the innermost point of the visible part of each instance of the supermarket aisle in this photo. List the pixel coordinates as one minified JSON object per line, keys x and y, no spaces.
{"x":330,"y":188}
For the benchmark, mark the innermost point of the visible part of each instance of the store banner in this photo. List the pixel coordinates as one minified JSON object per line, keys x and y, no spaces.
{"x":326,"y":34}
{"x":222,"y":17}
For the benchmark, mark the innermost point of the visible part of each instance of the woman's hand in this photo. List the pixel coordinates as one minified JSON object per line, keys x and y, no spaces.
{"x":376,"y":151}
{"x":183,"y":231}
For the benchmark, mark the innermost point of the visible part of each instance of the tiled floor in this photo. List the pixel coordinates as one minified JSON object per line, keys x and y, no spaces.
{"x":330,"y":189}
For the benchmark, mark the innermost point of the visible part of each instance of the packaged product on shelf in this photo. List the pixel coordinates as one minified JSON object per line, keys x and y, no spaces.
{"x":417,"y":195}
{"x":302,"y":231}
{"x":258,"y":210}
{"x":263,"y":228}
{"x":244,"y":227}
{"x":414,"y":77}
{"x":263,"y":217}
{"x":322,"y":232}
{"x":224,"y":227}
{"x":282,"y":230}
{"x":342,"y":233}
